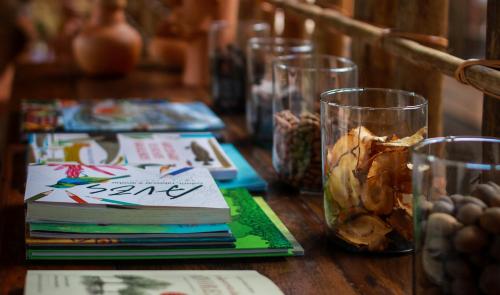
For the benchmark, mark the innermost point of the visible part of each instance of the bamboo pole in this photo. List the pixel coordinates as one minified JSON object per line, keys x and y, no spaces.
{"x":428,"y":17}
{"x":491,"y":106}
{"x":414,"y":52}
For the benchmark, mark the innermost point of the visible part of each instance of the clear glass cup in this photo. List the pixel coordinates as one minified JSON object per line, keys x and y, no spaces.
{"x":456,"y":188}
{"x":366,"y":134}
{"x":227,"y":45}
{"x":298,"y":81}
{"x":259,"y":106}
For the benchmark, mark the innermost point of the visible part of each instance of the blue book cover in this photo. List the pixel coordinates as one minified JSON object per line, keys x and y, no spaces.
{"x":136,"y":114}
{"x":112,"y":115}
{"x":247,"y":176}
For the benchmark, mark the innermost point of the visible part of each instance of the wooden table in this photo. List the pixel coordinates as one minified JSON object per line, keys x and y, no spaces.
{"x":324,"y":269}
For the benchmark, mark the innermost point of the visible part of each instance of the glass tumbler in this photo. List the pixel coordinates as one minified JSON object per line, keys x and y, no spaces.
{"x":366,"y":134}
{"x":259,"y":106}
{"x":456,"y":188}
{"x":298,"y":81}
{"x":227,"y":45}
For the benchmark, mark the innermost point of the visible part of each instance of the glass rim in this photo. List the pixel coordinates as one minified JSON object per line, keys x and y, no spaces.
{"x":325,"y":99}
{"x":261,"y":42}
{"x":418,"y":151}
{"x":224,"y":23}
{"x":280,"y":62}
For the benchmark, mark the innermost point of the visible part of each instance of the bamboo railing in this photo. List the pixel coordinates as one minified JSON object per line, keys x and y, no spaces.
{"x":483,"y":77}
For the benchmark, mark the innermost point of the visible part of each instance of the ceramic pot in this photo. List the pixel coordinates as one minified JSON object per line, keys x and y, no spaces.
{"x":107,"y":45}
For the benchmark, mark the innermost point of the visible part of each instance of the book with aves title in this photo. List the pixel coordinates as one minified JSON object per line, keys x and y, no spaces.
{"x":113,"y":194}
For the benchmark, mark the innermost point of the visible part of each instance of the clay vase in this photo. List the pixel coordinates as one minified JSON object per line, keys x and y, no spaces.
{"x":107,"y":45}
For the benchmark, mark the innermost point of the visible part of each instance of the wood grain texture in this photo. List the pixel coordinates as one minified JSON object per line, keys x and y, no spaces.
{"x":324,"y":269}
{"x":424,"y":17}
{"x":411,"y":51}
{"x":376,"y":66}
{"x":491,"y":105}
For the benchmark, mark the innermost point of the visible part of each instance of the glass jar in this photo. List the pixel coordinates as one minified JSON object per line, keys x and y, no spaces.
{"x":259,"y":108}
{"x":227,"y":45}
{"x":456,"y":188}
{"x":366,"y":134}
{"x":298,"y":82}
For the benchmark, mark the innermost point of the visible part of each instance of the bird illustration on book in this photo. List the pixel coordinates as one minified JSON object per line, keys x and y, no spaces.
{"x":201,"y":154}
{"x":69,"y":182}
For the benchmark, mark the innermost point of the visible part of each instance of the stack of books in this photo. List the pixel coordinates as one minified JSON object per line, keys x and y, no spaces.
{"x":80,"y":211}
{"x":99,"y":189}
{"x":200,"y":149}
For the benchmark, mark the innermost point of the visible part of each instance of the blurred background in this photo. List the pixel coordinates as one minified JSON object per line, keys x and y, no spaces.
{"x":174,"y":38}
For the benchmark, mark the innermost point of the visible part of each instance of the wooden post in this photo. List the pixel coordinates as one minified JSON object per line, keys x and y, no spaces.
{"x":425,"y":17}
{"x":327,"y":40}
{"x":491,"y":105}
{"x":294,"y":25}
{"x":374,"y":64}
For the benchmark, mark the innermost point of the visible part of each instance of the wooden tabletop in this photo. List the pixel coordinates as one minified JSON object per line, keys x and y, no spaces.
{"x":325,"y":269}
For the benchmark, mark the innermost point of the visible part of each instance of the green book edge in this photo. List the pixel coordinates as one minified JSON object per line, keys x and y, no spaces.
{"x":297,"y":250}
{"x":241,"y":196}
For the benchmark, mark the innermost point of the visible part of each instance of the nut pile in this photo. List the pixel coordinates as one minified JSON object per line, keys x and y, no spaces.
{"x":368,"y":193}
{"x":460,"y":252}
{"x":297,"y":149}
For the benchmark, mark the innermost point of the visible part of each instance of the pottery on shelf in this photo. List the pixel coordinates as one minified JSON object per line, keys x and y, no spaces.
{"x":107,"y":45}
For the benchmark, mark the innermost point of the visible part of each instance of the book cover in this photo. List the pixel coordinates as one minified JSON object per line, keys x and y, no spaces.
{"x":138,"y":114}
{"x":40,"y":116}
{"x":111,"y":189}
{"x":122,"y":242}
{"x":177,"y":150}
{"x":247,"y":177}
{"x":255,"y":232}
{"x":129,"y":228}
{"x":174,"y":150}
{"x":113,"y":115}
{"x":184,"y":282}
{"x":83,"y":148}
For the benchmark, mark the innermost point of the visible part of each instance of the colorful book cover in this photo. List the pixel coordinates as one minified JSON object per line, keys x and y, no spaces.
{"x":83,"y":148}
{"x":247,"y":176}
{"x":138,"y":242}
{"x":78,"y":187}
{"x":256,"y":235}
{"x":297,"y":248}
{"x":137,"y":114}
{"x":173,"y":150}
{"x":177,"y":150}
{"x":113,"y":115}
{"x":174,"y":229}
{"x":144,"y":282}
{"x":40,"y":115}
